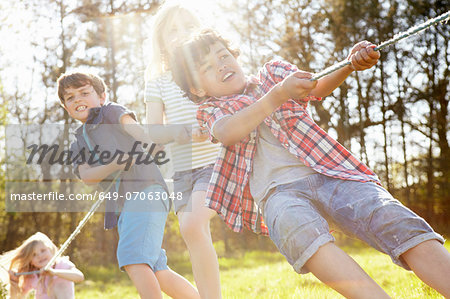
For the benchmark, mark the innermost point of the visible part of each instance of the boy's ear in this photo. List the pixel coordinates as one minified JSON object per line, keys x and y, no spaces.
{"x":64,"y":106}
{"x":198,"y":92}
{"x":103,"y":98}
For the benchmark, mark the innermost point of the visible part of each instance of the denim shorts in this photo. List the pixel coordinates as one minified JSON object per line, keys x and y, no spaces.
{"x":141,"y":229}
{"x":296,"y":214}
{"x":188,"y":182}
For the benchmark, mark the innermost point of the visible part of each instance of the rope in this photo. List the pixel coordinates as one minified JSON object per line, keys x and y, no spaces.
{"x":413,"y":30}
{"x":74,"y":233}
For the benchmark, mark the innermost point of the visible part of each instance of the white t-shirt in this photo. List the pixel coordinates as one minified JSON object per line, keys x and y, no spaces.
{"x":273,"y":165}
{"x":180,"y":110}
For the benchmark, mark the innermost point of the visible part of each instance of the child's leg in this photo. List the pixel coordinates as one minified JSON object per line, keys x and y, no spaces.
{"x":144,"y":280}
{"x":302,"y":236}
{"x":369,"y":212}
{"x":339,"y":271}
{"x":141,"y":229}
{"x":431,"y":263}
{"x":194,"y":227}
{"x":175,"y":285}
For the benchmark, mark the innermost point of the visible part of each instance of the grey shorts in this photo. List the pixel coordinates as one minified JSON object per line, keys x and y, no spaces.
{"x":190,"y":181}
{"x":296,"y":214}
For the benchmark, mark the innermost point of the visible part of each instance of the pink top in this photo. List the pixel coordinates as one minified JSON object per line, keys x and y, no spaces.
{"x":42,"y":288}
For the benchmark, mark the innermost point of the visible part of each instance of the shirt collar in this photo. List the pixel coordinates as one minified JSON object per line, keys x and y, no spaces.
{"x":252,"y":82}
{"x":94,"y":117}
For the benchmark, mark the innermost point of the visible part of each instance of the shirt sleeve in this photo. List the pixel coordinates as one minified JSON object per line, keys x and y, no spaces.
{"x":211,"y":112}
{"x":114,"y":112}
{"x":276,"y":71}
{"x":208,"y":114}
{"x":152,"y":92}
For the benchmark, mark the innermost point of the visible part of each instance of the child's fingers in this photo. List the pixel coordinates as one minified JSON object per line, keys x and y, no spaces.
{"x":305,"y":83}
{"x":372,"y":53}
{"x":297,"y":85}
{"x":13,"y":276}
{"x":364,"y":58}
{"x":359,"y":46}
{"x":302,"y":75}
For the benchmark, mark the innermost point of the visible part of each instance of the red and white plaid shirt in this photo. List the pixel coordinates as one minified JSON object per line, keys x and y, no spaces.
{"x":229,"y":191}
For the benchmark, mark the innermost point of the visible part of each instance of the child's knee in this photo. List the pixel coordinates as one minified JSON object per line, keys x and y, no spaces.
{"x":192,"y":228}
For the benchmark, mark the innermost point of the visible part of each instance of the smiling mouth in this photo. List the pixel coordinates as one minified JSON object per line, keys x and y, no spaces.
{"x":43,"y":261}
{"x":81,"y":108}
{"x":227,"y":76}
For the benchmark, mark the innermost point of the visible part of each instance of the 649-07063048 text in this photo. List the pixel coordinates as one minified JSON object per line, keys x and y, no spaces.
{"x":56,"y":196}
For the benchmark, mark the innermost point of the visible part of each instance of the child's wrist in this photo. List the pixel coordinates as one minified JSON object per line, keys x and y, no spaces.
{"x":350,"y":67}
{"x":280,"y":95}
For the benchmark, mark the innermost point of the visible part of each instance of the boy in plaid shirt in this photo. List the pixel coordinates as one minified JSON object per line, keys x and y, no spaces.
{"x":279,"y":173}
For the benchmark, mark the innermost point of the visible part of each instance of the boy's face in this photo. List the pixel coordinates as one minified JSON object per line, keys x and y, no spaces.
{"x":219,"y":74}
{"x":78,"y":101}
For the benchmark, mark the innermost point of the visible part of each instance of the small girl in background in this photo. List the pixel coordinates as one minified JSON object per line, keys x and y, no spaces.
{"x":192,"y":162}
{"x":32,"y":255}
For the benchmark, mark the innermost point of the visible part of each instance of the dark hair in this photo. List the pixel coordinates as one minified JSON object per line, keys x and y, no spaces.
{"x":77,"y":80}
{"x":186,"y":59}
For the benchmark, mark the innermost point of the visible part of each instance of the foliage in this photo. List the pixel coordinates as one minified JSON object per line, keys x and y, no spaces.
{"x":3,"y":290}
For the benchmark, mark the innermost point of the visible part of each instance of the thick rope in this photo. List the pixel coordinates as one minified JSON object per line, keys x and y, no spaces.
{"x":75,"y":232}
{"x":413,"y":30}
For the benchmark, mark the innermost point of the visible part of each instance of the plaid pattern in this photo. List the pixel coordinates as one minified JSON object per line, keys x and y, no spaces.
{"x":229,"y":191}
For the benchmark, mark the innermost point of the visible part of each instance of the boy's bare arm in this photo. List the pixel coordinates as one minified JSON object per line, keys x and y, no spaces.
{"x":230,"y":130}
{"x":158,"y":132}
{"x":155,"y":118}
{"x":362,"y":56}
{"x":93,"y":175}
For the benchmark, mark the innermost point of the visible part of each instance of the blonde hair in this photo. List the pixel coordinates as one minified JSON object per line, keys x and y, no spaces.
{"x":165,"y":18}
{"x":19,"y":260}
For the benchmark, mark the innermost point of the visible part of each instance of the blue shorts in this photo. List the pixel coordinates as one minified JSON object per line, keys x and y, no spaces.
{"x":295,"y":214}
{"x":188,"y":182}
{"x":141,"y":229}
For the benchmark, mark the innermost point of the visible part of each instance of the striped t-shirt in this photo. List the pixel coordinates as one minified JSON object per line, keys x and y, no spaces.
{"x":180,"y":110}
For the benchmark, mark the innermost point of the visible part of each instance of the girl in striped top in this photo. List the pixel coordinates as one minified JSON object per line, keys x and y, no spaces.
{"x":192,"y":154}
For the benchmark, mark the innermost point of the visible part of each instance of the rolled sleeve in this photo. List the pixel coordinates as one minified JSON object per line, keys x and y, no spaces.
{"x":208,"y":115}
{"x":277,"y":70}
{"x":114,"y":112}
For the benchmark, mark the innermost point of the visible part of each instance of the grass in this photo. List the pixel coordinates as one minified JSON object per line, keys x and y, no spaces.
{"x":267,"y":275}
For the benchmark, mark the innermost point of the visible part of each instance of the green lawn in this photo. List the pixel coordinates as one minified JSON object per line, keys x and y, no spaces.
{"x":260,"y":274}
